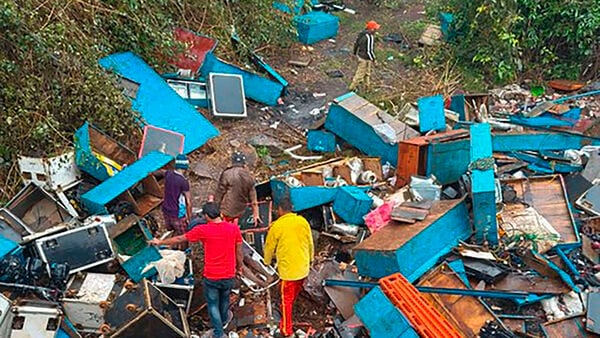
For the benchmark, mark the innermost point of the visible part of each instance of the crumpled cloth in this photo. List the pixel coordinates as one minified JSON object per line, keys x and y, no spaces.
{"x":170,"y":267}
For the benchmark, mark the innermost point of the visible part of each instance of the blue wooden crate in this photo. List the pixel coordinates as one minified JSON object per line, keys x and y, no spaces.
{"x":355,"y":119}
{"x":302,"y":197}
{"x":382,"y":318}
{"x":316,"y":26}
{"x":414,"y":249}
{"x":320,"y":141}
{"x":351,"y":204}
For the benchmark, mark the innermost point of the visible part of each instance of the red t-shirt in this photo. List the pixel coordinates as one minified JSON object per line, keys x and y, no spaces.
{"x":220,"y":241}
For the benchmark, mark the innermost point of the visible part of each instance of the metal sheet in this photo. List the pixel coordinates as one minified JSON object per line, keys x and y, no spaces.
{"x":592,"y":322}
{"x":227,"y":95}
{"x":570,"y":327}
{"x":590,"y":200}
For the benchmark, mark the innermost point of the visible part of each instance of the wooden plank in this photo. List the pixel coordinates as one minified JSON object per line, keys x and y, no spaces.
{"x":122,"y":226}
{"x":468,"y":314}
{"x":393,"y":236}
{"x":546,"y":194}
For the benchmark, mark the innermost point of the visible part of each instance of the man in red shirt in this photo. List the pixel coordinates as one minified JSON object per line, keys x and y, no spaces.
{"x":223,"y":256}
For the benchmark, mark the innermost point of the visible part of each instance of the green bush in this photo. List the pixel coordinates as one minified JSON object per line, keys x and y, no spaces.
{"x":507,"y":38}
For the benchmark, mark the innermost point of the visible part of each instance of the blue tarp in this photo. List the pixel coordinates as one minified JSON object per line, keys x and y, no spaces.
{"x":158,"y":104}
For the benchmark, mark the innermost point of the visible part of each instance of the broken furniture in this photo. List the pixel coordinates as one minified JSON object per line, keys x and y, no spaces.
{"x":318,"y":183}
{"x":366,"y":127}
{"x":227,"y":98}
{"x":81,"y":248}
{"x":547,"y":195}
{"x":182,"y":289}
{"x":88,"y":294}
{"x":316,"y":26}
{"x":414,"y":249}
{"x":135,"y":184}
{"x":444,"y":155}
{"x":144,"y":311}
{"x":256,"y":87}
{"x":467,"y":314}
{"x":33,"y":212}
{"x":267,"y":275}
{"x":158,"y":104}
{"x":130,"y":237}
{"x":98,"y":154}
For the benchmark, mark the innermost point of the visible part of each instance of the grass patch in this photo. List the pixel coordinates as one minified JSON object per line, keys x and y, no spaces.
{"x":332,"y":63}
{"x":412,"y":30}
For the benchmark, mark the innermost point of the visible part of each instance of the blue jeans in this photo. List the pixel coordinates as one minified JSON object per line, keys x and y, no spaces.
{"x":217,"y":298}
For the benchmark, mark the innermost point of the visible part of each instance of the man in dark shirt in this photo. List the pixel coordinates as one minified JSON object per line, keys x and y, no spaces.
{"x":236,"y":190}
{"x":364,"y":50}
{"x":176,"y":205}
{"x":223,"y":257}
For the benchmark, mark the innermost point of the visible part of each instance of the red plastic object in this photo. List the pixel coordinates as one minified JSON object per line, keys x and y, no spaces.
{"x":424,"y":318}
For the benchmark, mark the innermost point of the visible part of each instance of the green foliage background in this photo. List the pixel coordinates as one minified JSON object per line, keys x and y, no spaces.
{"x":50,"y":82}
{"x":508,"y":38}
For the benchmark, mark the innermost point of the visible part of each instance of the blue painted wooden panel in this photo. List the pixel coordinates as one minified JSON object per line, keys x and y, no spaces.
{"x":484,"y":217}
{"x":97,"y":198}
{"x":359,"y":134}
{"x":351,"y":204}
{"x":84,"y":158}
{"x":457,"y":105}
{"x":302,"y":197}
{"x":481,"y":148}
{"x":448,"y":161}
{"x":320,"y":141}
{"x":256,"y":87}
{"x":540,"y":165}
{"x":567,"y":119}
{"x":421,"y":253}
{"x":381,"y":317}
{"x":540,"y":141}
{"x":483,"y":186}
{"x":378,"y":256}
{"x":158,"y":104}
{"x":431,"y":113}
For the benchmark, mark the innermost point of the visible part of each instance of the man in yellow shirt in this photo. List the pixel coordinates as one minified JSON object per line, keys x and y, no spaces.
{"x":290,"y":241}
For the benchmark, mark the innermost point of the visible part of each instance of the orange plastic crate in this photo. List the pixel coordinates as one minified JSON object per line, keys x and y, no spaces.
{"x":426,"y":320}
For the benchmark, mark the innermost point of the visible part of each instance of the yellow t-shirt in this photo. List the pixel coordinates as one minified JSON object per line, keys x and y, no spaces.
{"x":290,"y":240}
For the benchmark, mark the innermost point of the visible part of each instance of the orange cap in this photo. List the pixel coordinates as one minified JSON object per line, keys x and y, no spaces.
{"x":372,"y":25}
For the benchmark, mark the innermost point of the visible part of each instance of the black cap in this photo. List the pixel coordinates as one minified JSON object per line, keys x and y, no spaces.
{"x":211,"y":210}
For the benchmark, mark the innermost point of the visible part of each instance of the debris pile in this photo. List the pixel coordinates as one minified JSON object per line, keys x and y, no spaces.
{"x":469,"y":215}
